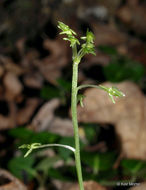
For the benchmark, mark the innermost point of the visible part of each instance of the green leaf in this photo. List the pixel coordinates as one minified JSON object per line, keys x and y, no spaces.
{"x":19,"y":165}
{"x":47,"y":163}
{"x":108,"y":50}
{"x":48,"y":92}
{"x":64,"y":153}
{"x":21,"y":133}
{"x":58,"y":174}
{"x":91,"y":131}
{"x":64,"y":84}
{"x":28,"y":137}
{"x":121,"y":68}
{"x":104,"y":161}
{"x":133,"y":166}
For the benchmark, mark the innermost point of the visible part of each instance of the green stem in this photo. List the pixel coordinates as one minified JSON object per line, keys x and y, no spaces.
{"x":58,"y":145}
{"x":75,"y":124}
{"x":88,"y":85}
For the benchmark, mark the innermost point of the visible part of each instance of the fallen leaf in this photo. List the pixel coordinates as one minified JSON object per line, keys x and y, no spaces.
{"x":88,"y":185}
{"x":133,"y":21}
{"x":12,"y":182}
{"x":13,"y":86}
{"x":51,"y":66}
{"x":33,"y":80}
{"x":46,"y":120}
{"x":142,"y":186}
{"x":24,"y":114}
{"x":61,"y":126}
{"x":5,"y":122}
{"x":109,"y":35}
{"x":45,"y":115}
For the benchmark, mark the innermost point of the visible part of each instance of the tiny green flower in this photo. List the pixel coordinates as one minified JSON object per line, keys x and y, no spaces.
{"x":65,"y":29}
{"x":69,"y":32}
{"x":88,"y":46}
{"x":30,"y":147}
{"x":112,"y":91}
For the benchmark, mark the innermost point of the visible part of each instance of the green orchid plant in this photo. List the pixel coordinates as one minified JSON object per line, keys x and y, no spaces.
{"x":87,"y":47}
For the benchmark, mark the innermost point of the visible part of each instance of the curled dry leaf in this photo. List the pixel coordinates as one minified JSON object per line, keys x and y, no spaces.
{"x":1,"y":71}
{"x":142,"y":186}
{"x":46,"y":120}
{"x":24,"y":114}
{"x":12,"y":182}
{"x":13,"y":86}
{"x":133,"y":21}
{"x":10,"y":66}
{"x":5,"y":122}
{"x":33,"y":80}
{"x":88,"y":185}
{"x":109,"y":35}
{"x":45,"y":115}
{"x":61,"y":126}
{"x":51,"y":66}
{"x":127,"y":115}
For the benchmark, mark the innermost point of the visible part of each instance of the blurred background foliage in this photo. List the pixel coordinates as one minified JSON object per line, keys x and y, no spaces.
{"x":31,"y":49}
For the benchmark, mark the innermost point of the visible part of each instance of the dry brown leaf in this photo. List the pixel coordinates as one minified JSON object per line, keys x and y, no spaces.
{"x":24,"y":114}
{"x":10,"y":66}
{"x":61,"y":126}
{"x":1,"y":71}
{"x":45,"y":115}
{"x":88,"y":185}
{"x":51,"y":66}
{"x":133,"y":21}
{"x":109,"y":35}
{"x":46,"y":120}
{"x":13,"y":86}
{"x":142,"y":186}
{"x":127,"y":115}
{"x":5,"y":122}
{"x":33,"y":80}
{"x":12,"y":184}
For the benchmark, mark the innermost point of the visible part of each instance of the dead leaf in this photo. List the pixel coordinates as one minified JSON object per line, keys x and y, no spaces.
{"x":5,"y":122}
{"x":45,"y":115}
{"x":33,"y":80}
{"x":142,"y":186}
{"x":127,"y":115}
{"x":109,"y":35}
{"x":46,"y":120}
{"x":10,"y":66}
{"x":51,"y":66}
{"x":88,"y":185}
{"x":12,"y":182}
{"x":13,"y":86}
{"x":1,"y":71}
{"x":133,"y":21}
{"x":61,"y":126}
{"x":24,"y":114}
